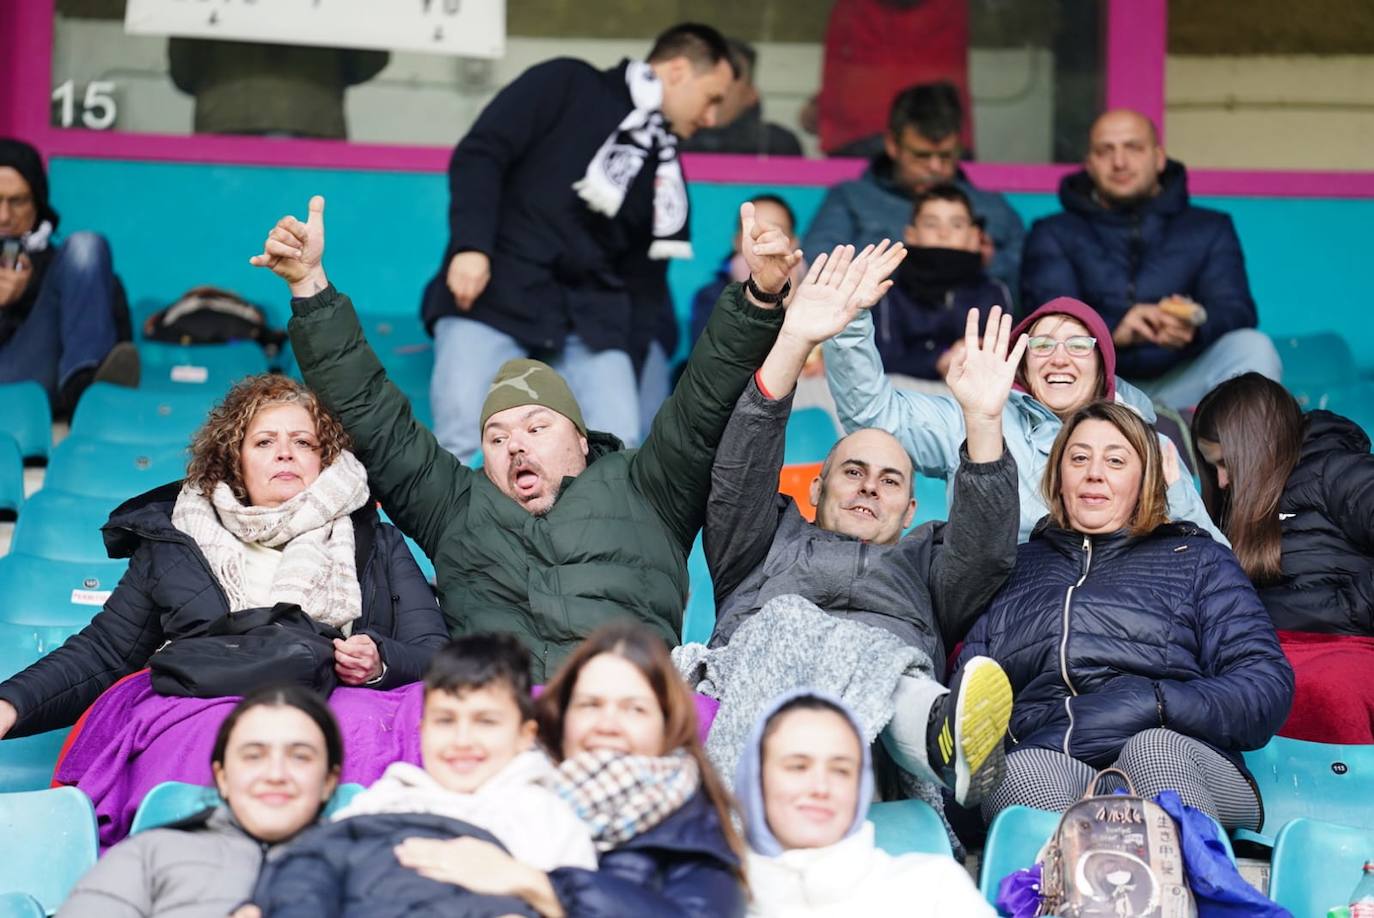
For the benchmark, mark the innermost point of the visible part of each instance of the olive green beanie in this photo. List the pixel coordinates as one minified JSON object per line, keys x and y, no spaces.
{"x":530,"y":382}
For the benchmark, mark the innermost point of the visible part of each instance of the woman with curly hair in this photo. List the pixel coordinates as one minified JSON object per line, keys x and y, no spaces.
{"x":274,"y":509}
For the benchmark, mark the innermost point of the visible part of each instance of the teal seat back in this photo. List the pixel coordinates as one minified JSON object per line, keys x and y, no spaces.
{"x":906,"y":826}
{"x":63,"y":527}
{"x":1316,"y":780}
{"x":1015,"y":839}
{"x":120,"y":415}
{"x":26,"y":416}
{"x":1317,"y":865}
{"x":932,"y":500}
{"x":20,"y":905}
{"x":27,"y":763}
{"x":47,"y":841}
{"x":43,"y":592}
{"x":11,"y":473}
{"x":205,"y":367}
{"x":1314,"y":364}
{"x":421,"y":559}
{"x":173,"y":801}
{"x":1356,"y":402}
{"x":699,"y":618}
{"x":810,"y":434}
{"x":95,"y":468}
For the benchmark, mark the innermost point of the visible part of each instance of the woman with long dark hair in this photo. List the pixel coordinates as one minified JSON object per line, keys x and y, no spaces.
{"x":1294,"y":492}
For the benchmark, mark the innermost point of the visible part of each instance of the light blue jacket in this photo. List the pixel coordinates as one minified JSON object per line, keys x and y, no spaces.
{"x":931,"y":427}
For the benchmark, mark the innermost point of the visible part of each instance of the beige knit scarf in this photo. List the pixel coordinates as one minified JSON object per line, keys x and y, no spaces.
{"x":318,"y":570}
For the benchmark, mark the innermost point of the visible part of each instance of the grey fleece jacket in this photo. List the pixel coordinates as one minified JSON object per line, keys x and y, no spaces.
{"x":201,"y":869}
{"x":927,"y":589}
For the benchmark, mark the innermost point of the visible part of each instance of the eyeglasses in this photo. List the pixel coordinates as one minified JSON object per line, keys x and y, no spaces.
{"x":1076,"y":345}
{"x":18,"y":201}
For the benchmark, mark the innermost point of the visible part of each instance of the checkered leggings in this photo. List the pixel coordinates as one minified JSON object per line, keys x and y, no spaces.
{"x":1155,"y":760}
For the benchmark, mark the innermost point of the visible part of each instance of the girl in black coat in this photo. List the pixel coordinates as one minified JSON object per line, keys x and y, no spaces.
{"x":274,"y":508}
{"x":1295,"y":494}
{"x":1129,"y":640}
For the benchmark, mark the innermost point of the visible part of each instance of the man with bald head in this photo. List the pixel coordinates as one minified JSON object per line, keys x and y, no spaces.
{"x":925,"y":587}
{"x":1168,"y":277}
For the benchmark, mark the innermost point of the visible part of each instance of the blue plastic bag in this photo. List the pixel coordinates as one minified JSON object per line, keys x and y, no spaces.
{"x":1218,"y":887}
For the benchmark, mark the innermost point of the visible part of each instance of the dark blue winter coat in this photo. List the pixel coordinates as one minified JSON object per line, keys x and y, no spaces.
{"x":1106,"y":636}
{"x":912,"y":334}
{"x":1113,"y":259}
{"x":348,"y":869}
{"x":681,"y":868}
{"x":1326,"y":515}
{"x":168,"y":593}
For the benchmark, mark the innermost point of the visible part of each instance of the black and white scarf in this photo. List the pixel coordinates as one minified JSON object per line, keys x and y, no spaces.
{"x":643,"y":134}
{"x":621,"y":796}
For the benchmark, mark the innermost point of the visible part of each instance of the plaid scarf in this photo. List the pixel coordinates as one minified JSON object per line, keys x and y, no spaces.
{"x":622,"y":796}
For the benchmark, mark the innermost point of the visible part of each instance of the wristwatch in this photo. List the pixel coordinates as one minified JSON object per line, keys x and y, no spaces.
{"x":771,"y":299}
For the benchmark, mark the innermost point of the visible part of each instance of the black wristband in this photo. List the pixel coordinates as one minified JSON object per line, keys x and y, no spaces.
{"x":772,"y":299}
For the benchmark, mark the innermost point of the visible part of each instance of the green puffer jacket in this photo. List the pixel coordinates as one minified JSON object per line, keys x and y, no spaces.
{"x":614,"y":545}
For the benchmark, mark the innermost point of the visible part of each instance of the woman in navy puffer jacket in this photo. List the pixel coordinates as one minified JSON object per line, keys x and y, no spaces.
{"x":1129,"y":640}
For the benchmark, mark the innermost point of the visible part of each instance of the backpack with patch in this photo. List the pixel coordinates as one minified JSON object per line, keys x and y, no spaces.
{"x":212,"y":315}
{"x":1114,"y":856}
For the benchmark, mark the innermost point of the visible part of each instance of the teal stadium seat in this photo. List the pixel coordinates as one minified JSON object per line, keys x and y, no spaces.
{"x":26,"y":416}
{"x":810,"y":434}
{"x":120,"y":415}
{"x":1317,"y":864}
{"x":426,"y":565}
{"x":906,"y":826}
{"x":213,"y":367}
{"x":27,"y":763}
{"x":1015,"y":839}
{"x":11,"y":474}
{"x":173,"y":801}
{"x":20,"y":905}
{"x":699,"y":618}
{"x":1315,"y":364}
{"x":44,"y":592}
{"x":95,"y":468}
{"x":1314,"y":780}
{"x":932,"y":500}
{"x":63,"y":527}
{"x":47,"y":841}
{"x":1354,"y":401}
{"x":391,"y":333}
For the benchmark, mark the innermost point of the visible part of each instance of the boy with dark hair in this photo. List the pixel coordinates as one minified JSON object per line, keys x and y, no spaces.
{"x":920,"y":323}
{"x":481,"y":762}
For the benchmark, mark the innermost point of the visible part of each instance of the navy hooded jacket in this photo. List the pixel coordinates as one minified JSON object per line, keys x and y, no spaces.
{"x":680,"y":868}
{"x":1326,"y":515}
{"x":1114,"y":258}
{"x":1105,"y":636}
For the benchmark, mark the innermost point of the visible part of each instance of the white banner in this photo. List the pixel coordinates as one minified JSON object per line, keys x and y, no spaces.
{"x":470,"y":28}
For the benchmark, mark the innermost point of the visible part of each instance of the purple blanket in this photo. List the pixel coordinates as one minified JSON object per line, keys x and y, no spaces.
{"x":133,"y":739}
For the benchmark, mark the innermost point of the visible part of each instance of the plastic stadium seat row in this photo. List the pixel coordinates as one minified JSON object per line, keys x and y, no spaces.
{"x":213,"y":367}
{"x":113,"y":471}
{"x":63,"y":527}
{"x":47,"y":841}
{"x":145,"y":416}
{"x":26,"y":416}
{"x":1317,"y":864}
{"x":1314,"y":364}
{"x":1299,"y":779}
{"x":11,"y":474}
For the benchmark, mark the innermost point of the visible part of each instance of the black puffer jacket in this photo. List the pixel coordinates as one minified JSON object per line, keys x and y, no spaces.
{"x":168,"y":592}
{"x":348,"y":869}
{"x":1326,"y":514}
{"x":1106,"y":636}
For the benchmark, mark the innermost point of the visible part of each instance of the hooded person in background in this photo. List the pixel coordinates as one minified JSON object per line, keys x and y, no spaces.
{"x":62,"y":310}
{"x":804,"y":783}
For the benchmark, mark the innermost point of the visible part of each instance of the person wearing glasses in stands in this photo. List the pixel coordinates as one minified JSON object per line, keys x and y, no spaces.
{"x":1070,"y":361}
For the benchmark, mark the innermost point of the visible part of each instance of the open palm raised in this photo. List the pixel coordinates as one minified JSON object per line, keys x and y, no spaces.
{"x":982,"y":374}
{"x":837,"y":286}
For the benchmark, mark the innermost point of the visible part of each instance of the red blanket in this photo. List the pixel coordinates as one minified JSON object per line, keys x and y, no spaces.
{"x":1334,"y":698}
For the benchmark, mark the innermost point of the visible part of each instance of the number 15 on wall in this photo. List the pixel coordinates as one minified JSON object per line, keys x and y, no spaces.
{"x":98,"y":110}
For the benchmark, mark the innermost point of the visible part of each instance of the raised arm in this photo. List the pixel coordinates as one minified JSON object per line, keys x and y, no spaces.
{"x":673,"y":469}
{"x":742,"y":512}
{"x":418,"y":481}
{"x":979,"y":544}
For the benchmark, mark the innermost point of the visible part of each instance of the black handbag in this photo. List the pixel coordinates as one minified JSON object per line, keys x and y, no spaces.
{"x":242,"y":651}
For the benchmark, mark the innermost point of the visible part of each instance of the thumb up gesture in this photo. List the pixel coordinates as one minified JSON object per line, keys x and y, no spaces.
{"x":294,"y":251}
